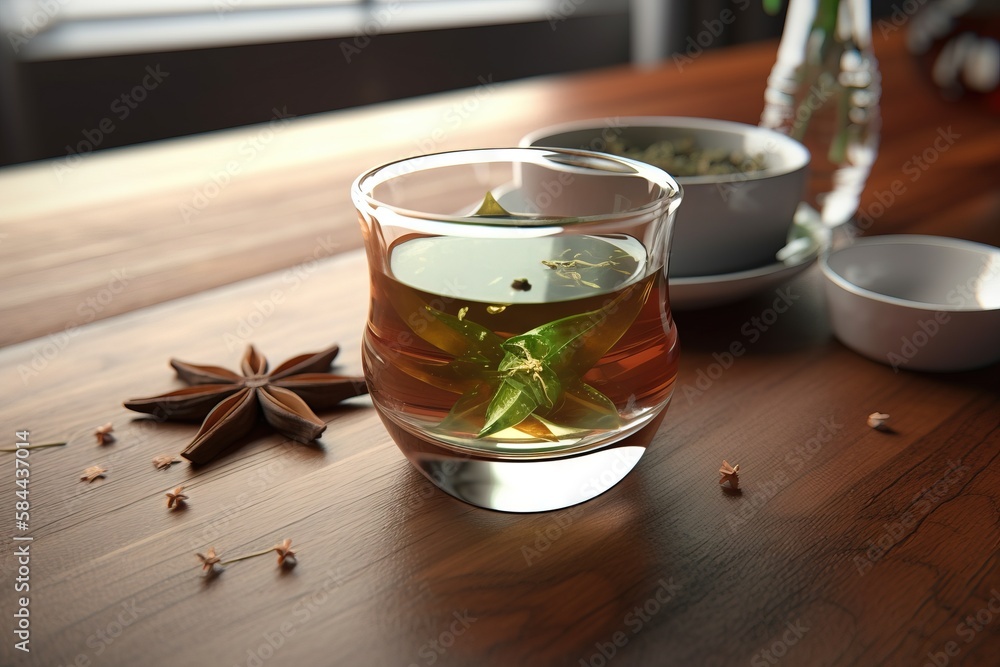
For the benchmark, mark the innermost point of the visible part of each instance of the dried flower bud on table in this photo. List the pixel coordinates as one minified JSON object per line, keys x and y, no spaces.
{"x":877,"y":420}
{"x":103,"y":434}
{"x":92,"y":473}
{"x":285,"y":553}
{"x":209,"y":560}
{"x":730,"y":474}
{"x":176,"y":498}
{"x":165,"y":461}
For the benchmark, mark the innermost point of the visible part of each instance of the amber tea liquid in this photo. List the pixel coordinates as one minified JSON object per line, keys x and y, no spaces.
{"x":414,"y":340}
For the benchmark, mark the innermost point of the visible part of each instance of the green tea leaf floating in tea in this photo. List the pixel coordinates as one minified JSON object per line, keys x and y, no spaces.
{"x":511,"y":405}
{"x":535,"y":368}
{"x":539,"y":361}
{"x":585,"y":408}
{"x":573,"y":345}
{"x":527,"y":384}
{"x":459,"y":337}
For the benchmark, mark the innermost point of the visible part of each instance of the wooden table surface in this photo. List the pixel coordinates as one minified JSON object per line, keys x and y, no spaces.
{"x":849,"y":546}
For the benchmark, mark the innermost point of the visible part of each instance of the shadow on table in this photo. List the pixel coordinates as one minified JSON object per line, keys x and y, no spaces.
{"x":549,"y":588}
{"x":789,"y":318}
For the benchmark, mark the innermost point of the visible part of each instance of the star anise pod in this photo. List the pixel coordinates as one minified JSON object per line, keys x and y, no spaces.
{"x":230,"y":403}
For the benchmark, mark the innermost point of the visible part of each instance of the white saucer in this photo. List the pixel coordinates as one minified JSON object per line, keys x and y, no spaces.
{"x":693,"y":292}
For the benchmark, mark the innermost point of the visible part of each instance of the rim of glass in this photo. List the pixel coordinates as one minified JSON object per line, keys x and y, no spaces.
{"x":672,"y":197}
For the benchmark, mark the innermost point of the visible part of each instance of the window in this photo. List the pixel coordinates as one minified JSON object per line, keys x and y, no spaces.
{"x":60,"y":29}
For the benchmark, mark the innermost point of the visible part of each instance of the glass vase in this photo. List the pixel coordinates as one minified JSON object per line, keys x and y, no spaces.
{"x":824,"y":90}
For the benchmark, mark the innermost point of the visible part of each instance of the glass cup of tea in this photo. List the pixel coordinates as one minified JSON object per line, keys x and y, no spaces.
{"x":519,"y":348}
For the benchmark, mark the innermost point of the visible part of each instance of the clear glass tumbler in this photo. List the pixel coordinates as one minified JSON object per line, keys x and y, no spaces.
{"x":519,"y":347}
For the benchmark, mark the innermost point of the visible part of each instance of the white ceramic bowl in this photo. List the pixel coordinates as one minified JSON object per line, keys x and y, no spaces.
{"x":914,"y":302}
{"x":726,"y":223}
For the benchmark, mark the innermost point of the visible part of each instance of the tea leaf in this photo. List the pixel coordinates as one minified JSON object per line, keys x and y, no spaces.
{"x":528,"y":384}
{"x":457,"y":376}
{"x":584,"y":407}
{"x":535,"y":427}
{"x":573,"y":345}
{"x":481,"y":343}
{"x":533,"y":377}
{"x":463,"y":338}
{"x":509,"y":407}
{"x":490,"y":208}
{"x":542,"y":361}
{"x":468,"y":413}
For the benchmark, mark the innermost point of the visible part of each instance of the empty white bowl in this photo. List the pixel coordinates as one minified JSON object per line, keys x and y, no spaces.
{"x":926,"y":303}
{"x":726,"y":223}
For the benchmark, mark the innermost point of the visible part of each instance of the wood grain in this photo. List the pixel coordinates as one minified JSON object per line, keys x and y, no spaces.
{"x":873,"y":546}
{"x":157,"y":216}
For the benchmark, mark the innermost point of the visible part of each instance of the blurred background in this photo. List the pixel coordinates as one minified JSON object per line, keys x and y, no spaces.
{"x":69,"y":68}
